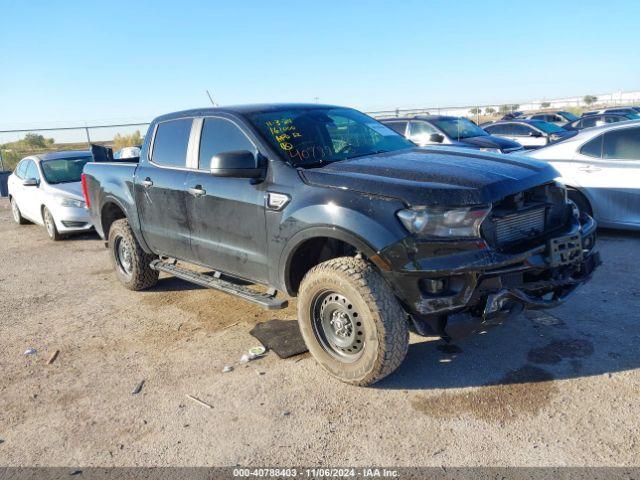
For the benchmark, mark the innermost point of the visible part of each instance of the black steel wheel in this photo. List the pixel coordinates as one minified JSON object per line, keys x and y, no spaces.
{"x":131,"y":263}
{"x":351,"y":321}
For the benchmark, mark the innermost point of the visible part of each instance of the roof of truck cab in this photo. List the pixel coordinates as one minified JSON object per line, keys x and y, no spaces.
{"x":241,"y":109}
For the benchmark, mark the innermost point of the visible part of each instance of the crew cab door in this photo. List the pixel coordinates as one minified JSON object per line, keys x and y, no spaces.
{"x":608,"y":169}
{"x":160,"y":184}
{"x":226,"y":214}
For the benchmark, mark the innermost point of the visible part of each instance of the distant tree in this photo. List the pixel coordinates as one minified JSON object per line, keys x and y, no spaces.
{"x":34,"y":140}
{"x":504,"y":109}
{"x":121,"y":141}
{"x":475,"y":111}
{"x":590,"y":99}
{"x":545,"y":105}
{"x":489,"y":111}
{"x":515,"y":107}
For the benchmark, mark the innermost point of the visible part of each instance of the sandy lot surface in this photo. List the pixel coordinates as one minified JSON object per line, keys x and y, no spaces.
{"x":561,"y":388}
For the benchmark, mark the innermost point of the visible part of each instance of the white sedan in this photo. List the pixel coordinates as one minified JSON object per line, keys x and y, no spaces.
{"x":601,"y":167}
{"x":46,"y":189}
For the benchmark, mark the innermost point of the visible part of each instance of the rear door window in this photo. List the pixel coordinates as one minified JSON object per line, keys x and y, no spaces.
{"x":171,"y":142}
{"x":623,"y":144}
{"x":593,"y":148}
{"x":220,"y":135}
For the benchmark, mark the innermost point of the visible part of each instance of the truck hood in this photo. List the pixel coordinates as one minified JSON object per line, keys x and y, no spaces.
{"x":434,"y":176}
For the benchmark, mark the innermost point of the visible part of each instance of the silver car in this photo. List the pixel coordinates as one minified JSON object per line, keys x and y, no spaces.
{"x":46,"y":189}
{"x":601,"y":165}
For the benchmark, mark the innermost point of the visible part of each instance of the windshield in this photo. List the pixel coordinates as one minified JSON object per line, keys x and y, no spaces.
{"x":63,"y":170}
{"x":547,"y":127}
{"x":569,"y":116}
{"x":459,"y":128}
{"x":312,"y":136}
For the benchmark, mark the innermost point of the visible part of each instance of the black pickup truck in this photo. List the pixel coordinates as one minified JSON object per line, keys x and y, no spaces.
{"x":374,"y":236}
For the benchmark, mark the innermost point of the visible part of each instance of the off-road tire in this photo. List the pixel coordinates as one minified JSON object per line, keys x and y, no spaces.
{"x":50,"y":225}
{"x":142,"y":275}
{"x":16,"y":214}
{"x":386,"y":332}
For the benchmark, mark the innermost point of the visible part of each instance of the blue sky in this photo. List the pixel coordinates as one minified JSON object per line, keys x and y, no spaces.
{"x":85,"y":61}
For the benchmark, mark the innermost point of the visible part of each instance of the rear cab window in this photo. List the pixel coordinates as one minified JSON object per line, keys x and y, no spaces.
{"x":170,"y":143}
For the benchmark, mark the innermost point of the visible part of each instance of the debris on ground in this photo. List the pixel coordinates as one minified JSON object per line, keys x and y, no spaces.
{"x":281,"y":336}
{"x":138,"y":388}
{"x":53,"y":357}
{"x":286,"y":413}
{"x":30,"y":351}
{"x":254,"y":352}
{"x":227,"y":369}
{"x":197,"y":400}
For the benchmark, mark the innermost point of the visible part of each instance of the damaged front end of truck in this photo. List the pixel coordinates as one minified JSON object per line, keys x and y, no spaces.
{"x":535,"y":249}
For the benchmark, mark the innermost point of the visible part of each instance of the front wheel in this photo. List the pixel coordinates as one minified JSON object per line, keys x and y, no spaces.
{"x":50,"y":225}
{"x":351,"y":321}
{"x":131,"y":263}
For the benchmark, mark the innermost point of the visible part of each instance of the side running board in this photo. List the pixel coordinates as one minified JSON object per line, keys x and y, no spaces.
{"x":265,"y":300}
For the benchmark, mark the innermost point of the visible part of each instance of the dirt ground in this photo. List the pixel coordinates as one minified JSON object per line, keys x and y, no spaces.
{"x":559,"y":388}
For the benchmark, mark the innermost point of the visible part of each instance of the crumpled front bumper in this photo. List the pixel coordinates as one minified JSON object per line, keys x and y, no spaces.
{"x":445,"y":283}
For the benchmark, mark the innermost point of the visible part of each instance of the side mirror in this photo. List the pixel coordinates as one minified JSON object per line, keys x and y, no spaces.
{"x":436,"y":138}
{"x":30,"y":182}
{"x":535,"y":134}
{"x":237,"y":164}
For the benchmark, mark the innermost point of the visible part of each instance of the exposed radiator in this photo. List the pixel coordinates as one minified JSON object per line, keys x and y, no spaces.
{"x":521,"y":225}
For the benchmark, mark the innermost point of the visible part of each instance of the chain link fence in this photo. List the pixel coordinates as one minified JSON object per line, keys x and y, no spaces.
{"x":16,"y":144}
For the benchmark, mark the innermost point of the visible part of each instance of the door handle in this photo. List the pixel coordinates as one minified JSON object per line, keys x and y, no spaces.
{"x":589,"y":169}
{"x":146,"y":183}
{"x":197,"y":191}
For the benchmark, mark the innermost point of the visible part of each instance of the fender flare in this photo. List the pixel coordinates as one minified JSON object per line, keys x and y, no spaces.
{"x":132,"y":218}
{"x":337,"y":233}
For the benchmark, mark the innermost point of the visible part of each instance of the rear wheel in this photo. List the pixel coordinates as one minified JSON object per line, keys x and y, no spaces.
{"x":351,"y":321}
{"x":50,"y":225}
{"x":130,"y":261}
{"x":15,"y":211}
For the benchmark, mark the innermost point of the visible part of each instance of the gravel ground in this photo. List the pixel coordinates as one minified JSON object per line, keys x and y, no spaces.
{"x":559,"y":388}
